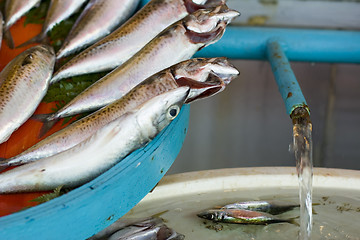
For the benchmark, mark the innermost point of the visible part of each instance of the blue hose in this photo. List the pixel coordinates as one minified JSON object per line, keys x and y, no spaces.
{"x":288,"y":86}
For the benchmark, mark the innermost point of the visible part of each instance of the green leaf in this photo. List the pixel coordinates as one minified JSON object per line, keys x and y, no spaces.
{"x":37,"y":14}
{"x":65,"y":90}
{"x":47,"y":197}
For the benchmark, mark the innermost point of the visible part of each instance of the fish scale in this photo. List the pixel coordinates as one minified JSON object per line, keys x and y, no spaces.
{"x":172,"y":45}
{"x":129,"y":38}
{"x":115,"y":84}
{"x":14,"y":10}
{"x":24,"y":83}
{"x":100,"y":151}
{"x":58,"y":11}
{"x":193,"y":70}
{"x":107,"y":14}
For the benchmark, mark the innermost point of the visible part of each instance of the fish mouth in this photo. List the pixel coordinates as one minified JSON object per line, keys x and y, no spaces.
{"x":200,"y":90}
{"x":206,"y":20}
{"x":222,"y":68}
{"x":205,"y":76}
{"x":208,"y":25}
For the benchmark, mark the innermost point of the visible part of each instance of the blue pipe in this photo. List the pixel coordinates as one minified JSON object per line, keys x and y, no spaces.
{"x":308,"y":45}
{"x":288,"y":86}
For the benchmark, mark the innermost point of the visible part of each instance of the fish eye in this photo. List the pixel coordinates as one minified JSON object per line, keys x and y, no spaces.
{"x":173,"y":111}
{"x":27,"y":60}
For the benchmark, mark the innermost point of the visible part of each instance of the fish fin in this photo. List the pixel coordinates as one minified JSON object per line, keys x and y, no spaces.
{"x":157,"y":215}
{"x":292,"y":221}
{"x":48,"y":122}
{"x":37,"y":39}
{"x":9,"y":39}
{"x":4,"y":163}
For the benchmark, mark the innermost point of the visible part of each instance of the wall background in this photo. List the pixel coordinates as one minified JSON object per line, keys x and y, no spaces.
{"x":246,"y":125}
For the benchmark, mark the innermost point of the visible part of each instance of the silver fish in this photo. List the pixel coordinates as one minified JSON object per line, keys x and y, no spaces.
{"x":99,"y":152}
{"x":150,"y":228}
{"x":14,"y":10}
{"x":136,"y":233}
{"x":241,"y":216}
{"x":205,"y":77}
{"x":126,"y":224}
{"x":273,"y":207}
{"x":174,"y":44}
{"x":158,"y":232}
{"x":24,"y":82}
{"x":58,"y":11}
{"x":98,"y":19}
{"x":129,"y":38}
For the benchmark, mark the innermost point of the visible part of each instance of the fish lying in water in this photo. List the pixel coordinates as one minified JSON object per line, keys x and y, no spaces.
{"x":150,"y":228}
{"x":176,"y":43}
{"x":24,"y":82}
{"x":241,"y":216}
{"x":204,"y":76}
{"x":14,"y":10}
{"x":273,"y":207}
{"x":98,"y":19}
{"x":100,"y":151}
{"x":58,"y":11}
{"x":129,"y":38}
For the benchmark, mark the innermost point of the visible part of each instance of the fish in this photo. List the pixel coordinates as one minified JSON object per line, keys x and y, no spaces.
{"x":125,"y":223}
{"x":273,"y":207}
{"x":14,"y":10}
{"x":204,"y":76}
{"x":176,"y":43}
{"x":99,"y":152}
{"x":241,"y":216}
{"x":149,"y":228}
{"x":98,"y":19}
{"x":58,"y":11}
{"x":118,"y":47}
{"x":24,"y":82}
{"x":158,"y":232}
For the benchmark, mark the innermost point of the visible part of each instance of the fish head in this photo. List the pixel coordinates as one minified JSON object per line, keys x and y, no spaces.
{"x":155,"y":114}
{"x":42,"y":53}
{"x":208,"y":25}
{"x":206,"y":20}
{"x":200,"y":68}
{"x":204,"y":76}
{"x":211,"y":214}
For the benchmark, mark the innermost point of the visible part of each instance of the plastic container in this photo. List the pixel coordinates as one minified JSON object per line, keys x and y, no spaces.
{"x":90,"y":208}
{"x":180,"y":197}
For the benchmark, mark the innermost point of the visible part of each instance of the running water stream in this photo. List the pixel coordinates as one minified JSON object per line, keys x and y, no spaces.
{"x":302,"y":147}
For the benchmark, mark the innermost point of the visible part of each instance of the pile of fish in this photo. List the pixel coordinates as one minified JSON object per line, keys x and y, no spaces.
{"x":144,"y":229}
{"x":152,"y":77}
{"x":250,"y":212}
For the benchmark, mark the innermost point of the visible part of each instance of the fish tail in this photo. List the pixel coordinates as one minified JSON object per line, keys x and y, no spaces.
{"x":40,"y":38}
{"x":8,"y":38}
{"x":48,"y":122}
{"x":292,"y":221}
